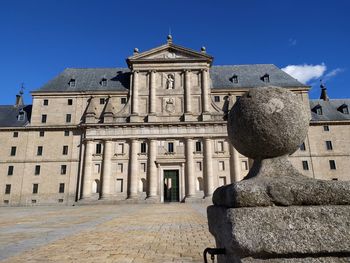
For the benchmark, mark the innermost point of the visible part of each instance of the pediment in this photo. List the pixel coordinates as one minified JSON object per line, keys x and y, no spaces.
{"x":169,"y":52}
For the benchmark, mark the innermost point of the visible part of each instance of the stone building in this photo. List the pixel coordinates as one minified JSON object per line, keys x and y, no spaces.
{"x":152,"y":132}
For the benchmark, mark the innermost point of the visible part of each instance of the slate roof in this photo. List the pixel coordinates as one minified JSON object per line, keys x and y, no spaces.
{"x":330,"y":110}
{"x":9,"y":114}
{"x":250,"y":76}
{"x":89,"y":79}
{"x":118,"y":79}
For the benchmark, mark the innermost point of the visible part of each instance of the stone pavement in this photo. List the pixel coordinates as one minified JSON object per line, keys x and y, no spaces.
{"x":173,"y":232}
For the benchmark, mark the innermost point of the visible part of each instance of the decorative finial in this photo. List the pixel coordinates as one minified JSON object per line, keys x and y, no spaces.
{"x":22,"y":88}
{"x":170,"y":39}
{"x":203,"y":49}
{"x":136,"y":50}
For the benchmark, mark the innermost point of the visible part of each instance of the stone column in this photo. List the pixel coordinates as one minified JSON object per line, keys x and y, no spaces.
{"x":107,"y":169}
{"x":135,"y":93}
{"x":235,"y":165}
{"x":205,"y":91}
{"x":208,"y":168}
{"x":152,"y":92}
{"x":133,"y":170}
{"x":190,"y":176}
{"x":152,"y":169}
{"x":87,"y":169}
{"x":188,"y":104}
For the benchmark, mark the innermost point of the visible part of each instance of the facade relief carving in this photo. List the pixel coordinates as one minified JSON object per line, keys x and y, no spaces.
{"x":169,"y":105}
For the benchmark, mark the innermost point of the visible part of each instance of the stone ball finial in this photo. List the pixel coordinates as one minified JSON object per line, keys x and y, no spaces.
{"x":203,"y":49}
{"x":268,"y":122}
{"x":136,"y":50}
{"x":169,"y":38}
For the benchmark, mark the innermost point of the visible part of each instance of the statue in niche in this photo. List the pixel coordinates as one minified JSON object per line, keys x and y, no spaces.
{"x":170,"y":81}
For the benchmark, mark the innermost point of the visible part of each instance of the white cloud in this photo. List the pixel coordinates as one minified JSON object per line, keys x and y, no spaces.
{"x":305,"y":73}
{"x":332,"y":73}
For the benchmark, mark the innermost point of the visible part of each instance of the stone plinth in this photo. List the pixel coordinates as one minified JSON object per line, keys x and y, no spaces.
{"x":282,"y":234}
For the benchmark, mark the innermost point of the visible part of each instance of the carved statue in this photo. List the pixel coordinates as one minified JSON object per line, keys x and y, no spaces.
{"x":170,"y":81}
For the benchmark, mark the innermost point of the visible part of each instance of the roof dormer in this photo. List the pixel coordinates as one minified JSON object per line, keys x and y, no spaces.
{"x":344,"y":109}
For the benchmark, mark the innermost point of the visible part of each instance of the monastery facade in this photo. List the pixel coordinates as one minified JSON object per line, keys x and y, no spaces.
{"x":152,"y":132}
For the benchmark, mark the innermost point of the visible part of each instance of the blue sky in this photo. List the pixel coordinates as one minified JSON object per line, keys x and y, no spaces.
{"x":39,"y":38}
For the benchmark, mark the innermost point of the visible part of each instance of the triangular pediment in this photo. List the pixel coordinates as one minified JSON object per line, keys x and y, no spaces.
{"x":169,"y":52}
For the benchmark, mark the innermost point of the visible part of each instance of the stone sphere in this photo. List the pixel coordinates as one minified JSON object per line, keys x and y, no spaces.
{"x":268,"y":122}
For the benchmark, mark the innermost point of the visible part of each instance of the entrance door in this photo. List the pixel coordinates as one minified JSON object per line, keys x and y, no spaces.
{"x":171,"y":186}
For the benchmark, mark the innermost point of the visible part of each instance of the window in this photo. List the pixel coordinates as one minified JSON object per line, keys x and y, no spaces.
{"x":15,"y":134}
{"x":302,"y":147}
{"x":20,"y":116}
{"x":305,"y":165}
{"x":10,"y":170}
{"x":33,"y":201}
{"x":43,"y":118}
{"x":120,"y":148}
{"x":72,"y":83}
{"x":70,"y":102}
{"x":39,"y":151}
{"x":318,"y":110}
{"x":170,"y":147}
{"x":60,"y":200}
{"x":143,"y":167}
{"x":46,"y":102}
{"x":102,"y":101}
{"x":120,"y":168}
{"x":332,"y":165}
{"x":98,"y":148}
{"x":63,"y":169}
{"x":68,"y":118}
{"x":104,"y":82}
{"x":221,"y":165}
{"x":65,"y":150}
{"x":265,"y":78}
{"x":199,"y":166}
{"x":329,"y":145}
{"x":325,"y":128}
{"x":220,"y":146}
{"x":13,"y":150}
{"x":7,"y":189}
{"x":217,"y":98}
{"x":66,"y":133}
{"x":143,"y":147}
{"x":245,"y":165}
{"x":35,"y":188}
{"x":41,"y":133}
{"x":123,"y":100}
{"x":222,"y":180}
{"x":234,"y":79}
{"x":6,"y":202}
{"x":345,"y":110}
{"x":335,"y":179}
{"x":61,"y":188}
{"x":198,"y":146}
{"x":119,"y":186}
{"x":97,"y":168}
{"x":37,"y":170}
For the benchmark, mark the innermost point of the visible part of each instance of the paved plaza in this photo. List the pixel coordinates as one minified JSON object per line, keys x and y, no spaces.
{"x":174,"y":232}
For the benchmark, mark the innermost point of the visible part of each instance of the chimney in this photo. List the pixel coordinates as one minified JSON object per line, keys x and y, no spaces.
{"x":19,"y":98}
{"x":324,"y":95}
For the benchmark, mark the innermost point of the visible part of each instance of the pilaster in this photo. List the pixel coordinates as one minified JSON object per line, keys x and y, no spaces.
{"x":87,"y":180}
{"x":133,"y":170}
{"x":152,"y":170}
{"x":107,"y":170}
{"x":208,"y":168}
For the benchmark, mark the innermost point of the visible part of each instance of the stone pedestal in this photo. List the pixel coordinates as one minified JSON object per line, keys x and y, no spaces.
{"x":282,"y":234}
{"x":151,"y":118}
